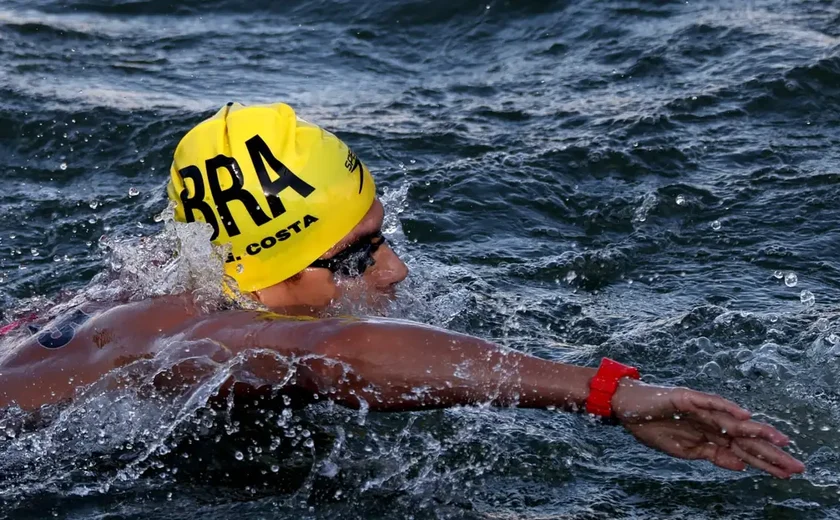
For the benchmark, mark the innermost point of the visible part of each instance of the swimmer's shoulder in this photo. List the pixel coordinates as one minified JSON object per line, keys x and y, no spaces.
{"x":99,"y":323}
{"x":241,"y":329}
{"x":151,"y":316}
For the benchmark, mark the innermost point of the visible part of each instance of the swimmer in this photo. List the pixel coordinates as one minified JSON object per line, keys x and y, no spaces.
{"x":299,"y":212}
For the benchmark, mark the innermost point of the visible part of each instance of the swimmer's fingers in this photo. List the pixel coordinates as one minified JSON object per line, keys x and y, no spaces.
{"x":720,"y":456}
{"x":721,"y":439}
{"x":735,"y":454}
{"x":721,"y":423}
{"x":766,"y":457}
{"x":692,"y":400}
{"x":682,"y":439}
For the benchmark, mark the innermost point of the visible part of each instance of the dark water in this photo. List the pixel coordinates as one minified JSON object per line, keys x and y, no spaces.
{"x":574,"y":179}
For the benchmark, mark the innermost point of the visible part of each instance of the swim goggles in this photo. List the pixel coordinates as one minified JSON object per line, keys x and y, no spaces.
{"x":353,"y":260}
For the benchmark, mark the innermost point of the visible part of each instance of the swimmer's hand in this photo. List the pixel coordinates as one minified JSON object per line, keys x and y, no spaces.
{"x":694,"y":425}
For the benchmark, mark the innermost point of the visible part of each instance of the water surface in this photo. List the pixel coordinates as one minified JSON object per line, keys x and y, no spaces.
{"x":573,"y":179}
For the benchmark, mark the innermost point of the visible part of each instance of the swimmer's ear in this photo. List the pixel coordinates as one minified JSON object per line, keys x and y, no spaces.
{"x":33,"y":329}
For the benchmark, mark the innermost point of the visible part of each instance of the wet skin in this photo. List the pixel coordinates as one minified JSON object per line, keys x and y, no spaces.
{"x":390,"y":365}
{"x":314,"y":289}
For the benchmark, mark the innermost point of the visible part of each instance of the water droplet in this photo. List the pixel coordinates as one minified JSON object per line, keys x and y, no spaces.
{"x":791,"y":279}
{"x":681,"y":200}
{"x":807,"y":298}
{"x":133,"y":192}
{"x":63,"y":166}
{"x":240,"y":268}
{"x":716,"y":225}
{"x":159,"y":217}
{"x":309,"y":443}
{"x":275,"y":468}
{"x":35,"y":252}
{"x":712,"y":370}
{"x":778,"y":274}
{"x":239,"y":455}
{"x":822,"y":324}
{"x":94,"y":204}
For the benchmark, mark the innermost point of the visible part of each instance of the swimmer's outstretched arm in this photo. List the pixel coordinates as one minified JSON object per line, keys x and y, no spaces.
{"x":397,"y":366}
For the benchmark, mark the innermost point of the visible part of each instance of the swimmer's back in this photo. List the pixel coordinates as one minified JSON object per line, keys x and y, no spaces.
{"x":80,"y":345}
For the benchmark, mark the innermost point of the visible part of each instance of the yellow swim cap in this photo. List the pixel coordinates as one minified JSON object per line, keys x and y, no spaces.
{"x":280,"y":190}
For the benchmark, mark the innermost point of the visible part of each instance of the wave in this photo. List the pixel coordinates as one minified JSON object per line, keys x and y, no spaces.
{"x":411,"y":12}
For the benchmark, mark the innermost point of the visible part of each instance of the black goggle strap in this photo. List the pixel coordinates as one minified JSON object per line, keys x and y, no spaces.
{"x":355,"y":258}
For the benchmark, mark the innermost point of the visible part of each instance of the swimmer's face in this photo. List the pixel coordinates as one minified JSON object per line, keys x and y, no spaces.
{"x":361,"y":268}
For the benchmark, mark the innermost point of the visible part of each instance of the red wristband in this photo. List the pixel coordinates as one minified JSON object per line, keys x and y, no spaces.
{"x":603,"y":385}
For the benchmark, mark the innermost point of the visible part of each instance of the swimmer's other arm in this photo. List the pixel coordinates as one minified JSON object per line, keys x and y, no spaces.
{"x":397,"y":366}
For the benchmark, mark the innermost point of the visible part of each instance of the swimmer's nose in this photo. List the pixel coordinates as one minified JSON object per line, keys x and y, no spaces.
{"x":388,"y":270}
